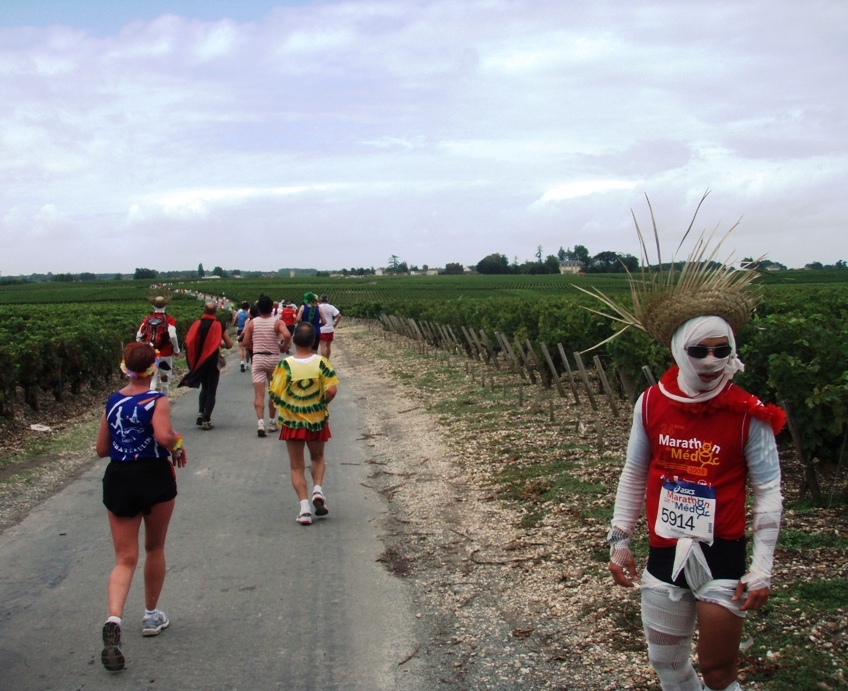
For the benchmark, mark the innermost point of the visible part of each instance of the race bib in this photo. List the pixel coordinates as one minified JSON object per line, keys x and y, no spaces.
{"x":686,"y":509}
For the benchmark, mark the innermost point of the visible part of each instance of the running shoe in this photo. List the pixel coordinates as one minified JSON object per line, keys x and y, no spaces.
{"x":304,"y":518}
{"x":260,"y":428}
{"x":199,"y":421}
{"x":112,"y":657}
{"x":207,"y":425}
{"x":272,"y":426}
{"x":320,"y":504}
{"x":242,"y":366}
{"x":152,"y":625}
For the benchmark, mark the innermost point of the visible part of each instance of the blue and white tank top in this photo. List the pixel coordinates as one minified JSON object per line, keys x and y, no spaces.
{"x":130,"y":421}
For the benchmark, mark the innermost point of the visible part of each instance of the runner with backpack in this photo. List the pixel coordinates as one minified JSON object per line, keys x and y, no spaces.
{"x":160,"y":330}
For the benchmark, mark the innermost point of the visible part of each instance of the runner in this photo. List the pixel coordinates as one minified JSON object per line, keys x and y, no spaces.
{"x":139,"y":486}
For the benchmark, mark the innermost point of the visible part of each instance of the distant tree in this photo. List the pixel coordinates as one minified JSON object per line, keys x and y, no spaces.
{"x":552,"y":264}
{"x":814,"y":265}
{"x":63,"y":278}
{"x":414,"y":268}
{"x":454,"y":268}
{"x":118,"y":277}
{"x":394,"y":260}
{"x":562,"y":255}
{"x":539,"y":254}
{"x":493,"y":264}
{"x":87,"y":276}
{"x":218,"y":271}
{"x":424,"y":267}
{"x":402,"y":268}
{"x":200,"y":272}
{"x":145,"y":273}
{"x":840,"y":264}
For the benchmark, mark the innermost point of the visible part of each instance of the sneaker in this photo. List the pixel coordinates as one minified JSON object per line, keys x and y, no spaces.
{"x":304,"y":518}
{"x":320,"y":504}
{"x":207,"y":425}
{"x":272,"y":426}
{"x":260,"y":429}
{"x":112,"y":657}
{"x":242,"y":366}
{"x":199,"y":421}
{"x":153,"y":624}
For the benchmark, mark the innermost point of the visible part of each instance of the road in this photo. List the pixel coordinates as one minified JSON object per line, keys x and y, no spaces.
{"x":256,"y":601}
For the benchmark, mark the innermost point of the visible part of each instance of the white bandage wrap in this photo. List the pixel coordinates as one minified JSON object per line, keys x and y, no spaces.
{"x":768,"y":507}
{"x":619,"y":543}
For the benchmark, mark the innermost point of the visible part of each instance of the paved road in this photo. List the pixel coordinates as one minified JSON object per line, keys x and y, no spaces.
{"x":256,"y":601}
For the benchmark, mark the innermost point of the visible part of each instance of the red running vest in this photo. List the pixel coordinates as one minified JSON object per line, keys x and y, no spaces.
{"x":704,"y":447}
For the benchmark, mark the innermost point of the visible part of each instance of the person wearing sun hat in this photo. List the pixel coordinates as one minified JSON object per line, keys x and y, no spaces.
{"x":696,"y":440}
{"x":163,"y":339}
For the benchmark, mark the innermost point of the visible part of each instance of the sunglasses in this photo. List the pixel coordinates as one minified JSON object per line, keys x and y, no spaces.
{"x":700,"y":352}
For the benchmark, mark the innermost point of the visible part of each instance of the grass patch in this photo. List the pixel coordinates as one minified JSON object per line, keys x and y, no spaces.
{"x":802,"y":540}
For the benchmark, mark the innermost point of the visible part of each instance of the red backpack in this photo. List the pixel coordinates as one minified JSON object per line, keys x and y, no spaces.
{"x":154,"y":330}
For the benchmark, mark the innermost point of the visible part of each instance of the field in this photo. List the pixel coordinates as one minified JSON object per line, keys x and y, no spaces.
{"x":56,"y":338}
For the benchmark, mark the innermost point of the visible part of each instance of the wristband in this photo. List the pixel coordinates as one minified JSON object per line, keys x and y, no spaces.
{"x":178,"y":444}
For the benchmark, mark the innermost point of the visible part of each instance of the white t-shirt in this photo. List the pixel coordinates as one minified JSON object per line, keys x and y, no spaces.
{"x":329,"y":312}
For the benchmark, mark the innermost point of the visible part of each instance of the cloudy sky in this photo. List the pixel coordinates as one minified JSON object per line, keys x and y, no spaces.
{"x":257,"y":135}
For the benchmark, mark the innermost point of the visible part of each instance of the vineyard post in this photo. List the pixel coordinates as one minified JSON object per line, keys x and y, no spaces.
{"x":482,"y":377}
{"x":456,"y":344}
{"x":811,"y":481}
{"x":649,"y":375}
{"x":537,"y":364}
{"x":627,"y":384}
{"x":484,"y":356}
{"x":515,"y":366}
{"x":485,"y":340}
{"x":537,"y":399}
{"x":550,"y":362}
{"x":571,"y":381}
{"x":585,"y":377}
{"x":603,"y":375}
{"x":524,"y":359}
{"x":471,"y":351}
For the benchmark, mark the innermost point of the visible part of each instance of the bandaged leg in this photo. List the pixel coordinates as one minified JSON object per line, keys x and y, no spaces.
{"x":668,"y":617}
{"x":164,"y":375}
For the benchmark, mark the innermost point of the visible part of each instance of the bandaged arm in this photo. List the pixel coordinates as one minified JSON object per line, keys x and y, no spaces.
{"x":764,"y":477}
{"x":630,"y":496}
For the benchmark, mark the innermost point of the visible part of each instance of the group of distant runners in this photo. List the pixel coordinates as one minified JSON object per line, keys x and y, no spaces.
{"x":137,"y":435}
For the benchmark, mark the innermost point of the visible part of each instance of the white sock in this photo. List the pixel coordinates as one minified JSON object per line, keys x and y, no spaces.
{"x":114,"y":619}
{"x":304,"y":506}
{"x":317,"y":488}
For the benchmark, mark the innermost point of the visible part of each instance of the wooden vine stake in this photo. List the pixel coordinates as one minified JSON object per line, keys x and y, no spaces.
{"x":607,"y":389}
{"x":571,"y":381}
{"x":585,"y":377}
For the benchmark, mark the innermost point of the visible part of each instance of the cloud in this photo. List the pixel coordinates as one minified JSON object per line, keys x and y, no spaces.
{"x":439,"y":131}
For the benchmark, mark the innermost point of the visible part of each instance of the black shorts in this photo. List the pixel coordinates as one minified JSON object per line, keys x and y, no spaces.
{"x":726,"y":559}
{"x":133,"y":487}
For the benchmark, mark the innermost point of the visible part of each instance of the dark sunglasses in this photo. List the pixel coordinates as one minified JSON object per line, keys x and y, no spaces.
{"x":700,"y":352}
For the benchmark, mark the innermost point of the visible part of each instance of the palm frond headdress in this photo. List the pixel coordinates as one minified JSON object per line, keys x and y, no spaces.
{"x":665,"y":299}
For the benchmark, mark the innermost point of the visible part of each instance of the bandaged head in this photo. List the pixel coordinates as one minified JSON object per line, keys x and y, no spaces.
{"x":691,"y":333}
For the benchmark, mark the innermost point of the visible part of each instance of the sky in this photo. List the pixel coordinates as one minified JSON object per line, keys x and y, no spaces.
{"x":257,"y":135}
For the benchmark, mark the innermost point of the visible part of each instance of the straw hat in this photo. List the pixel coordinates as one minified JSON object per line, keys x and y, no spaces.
{"x":665,"y":299}
{"x":159,"y":299}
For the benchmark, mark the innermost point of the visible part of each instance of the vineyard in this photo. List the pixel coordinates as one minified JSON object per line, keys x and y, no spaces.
{"x":57,"y":338}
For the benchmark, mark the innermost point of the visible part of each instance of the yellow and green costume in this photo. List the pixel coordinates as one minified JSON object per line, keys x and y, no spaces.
{"x":297,"y":389}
